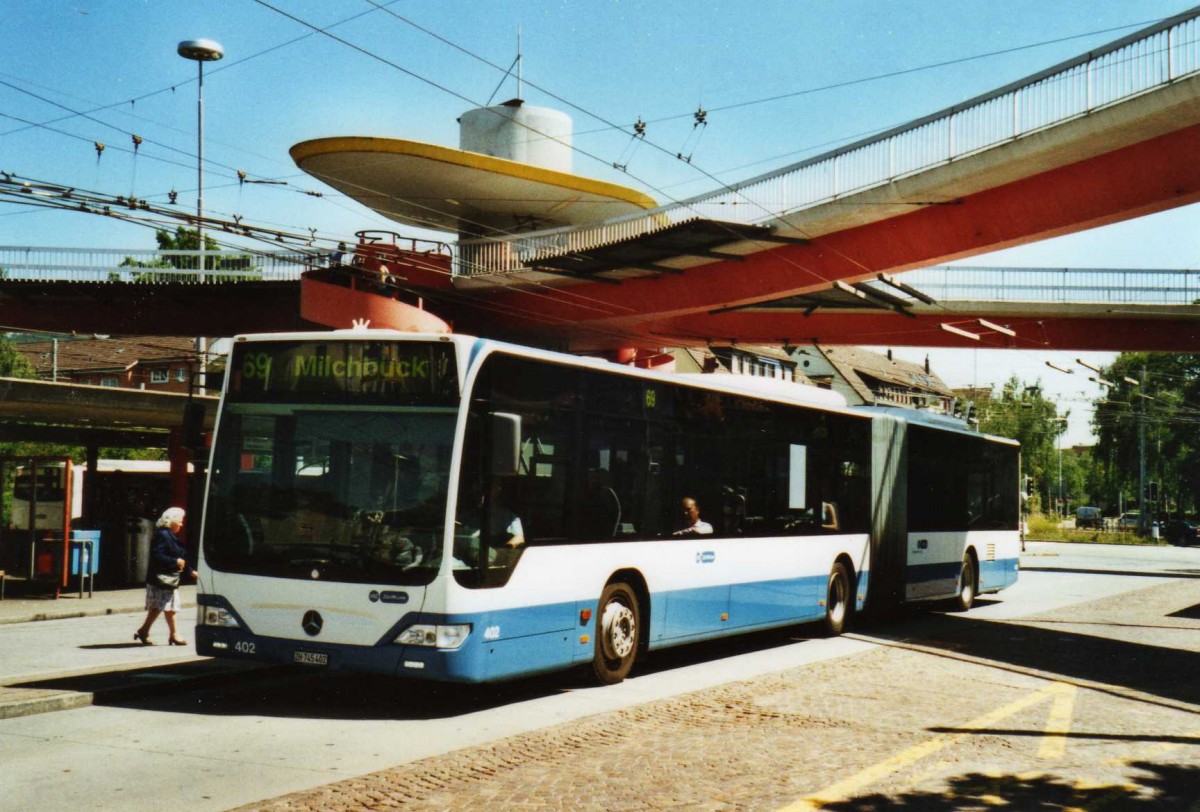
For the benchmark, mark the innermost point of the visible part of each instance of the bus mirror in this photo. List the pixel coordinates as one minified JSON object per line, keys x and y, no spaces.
{"x":193,"y":424}
{"x":506,"y":443}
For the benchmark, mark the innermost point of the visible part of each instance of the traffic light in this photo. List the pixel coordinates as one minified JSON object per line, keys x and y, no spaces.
{"x":1152,"y":491}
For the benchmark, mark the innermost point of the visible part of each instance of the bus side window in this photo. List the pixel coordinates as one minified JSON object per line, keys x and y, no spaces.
{"x":733,"y":509}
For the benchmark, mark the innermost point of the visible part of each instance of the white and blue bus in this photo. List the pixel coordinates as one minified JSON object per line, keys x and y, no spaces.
{"x":458,"y":509}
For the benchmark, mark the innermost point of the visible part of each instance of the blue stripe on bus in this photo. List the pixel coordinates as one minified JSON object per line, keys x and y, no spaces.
{"x":993,"y":575}
{"x":996,"y":575}
{"x":528,"y":640}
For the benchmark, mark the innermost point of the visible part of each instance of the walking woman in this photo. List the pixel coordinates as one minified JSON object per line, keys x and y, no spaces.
{"x":167,"y":565}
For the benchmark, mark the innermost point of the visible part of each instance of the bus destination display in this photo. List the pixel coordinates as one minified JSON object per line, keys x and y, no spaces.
{"x":358,"y":369}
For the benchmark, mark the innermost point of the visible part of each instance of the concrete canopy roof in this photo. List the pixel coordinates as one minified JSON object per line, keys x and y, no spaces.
{"x":42,"y":411}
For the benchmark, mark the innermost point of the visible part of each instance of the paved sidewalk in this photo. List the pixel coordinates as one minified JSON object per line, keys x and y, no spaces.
{"x":80,"y":656}
{"x":24,"y":609}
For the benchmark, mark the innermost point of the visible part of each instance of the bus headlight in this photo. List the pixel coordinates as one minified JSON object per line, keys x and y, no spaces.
{"x":424,"y":634}
{"x":216,"y":616}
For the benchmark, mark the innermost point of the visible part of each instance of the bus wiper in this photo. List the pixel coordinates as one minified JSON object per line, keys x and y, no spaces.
{"x":310,"y":562}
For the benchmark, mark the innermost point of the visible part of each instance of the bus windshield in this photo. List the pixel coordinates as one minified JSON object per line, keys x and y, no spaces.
{"x":305,"y":491}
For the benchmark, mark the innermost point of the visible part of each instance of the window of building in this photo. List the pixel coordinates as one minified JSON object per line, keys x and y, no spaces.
{"x":108,"y":382}
{"x":181,"y":374}
{"x":159,"y":375}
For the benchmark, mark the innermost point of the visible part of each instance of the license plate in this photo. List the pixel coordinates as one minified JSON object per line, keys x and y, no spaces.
{"x":310,"y":658}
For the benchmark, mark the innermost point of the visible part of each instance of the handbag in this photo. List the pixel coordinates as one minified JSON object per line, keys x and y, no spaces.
{"x":166,"y":580}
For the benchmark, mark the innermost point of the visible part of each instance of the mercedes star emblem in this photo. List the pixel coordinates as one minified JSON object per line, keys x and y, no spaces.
{"x":312,"y":623}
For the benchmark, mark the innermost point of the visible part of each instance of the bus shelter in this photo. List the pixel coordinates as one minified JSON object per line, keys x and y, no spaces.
{"x":92,"y":417}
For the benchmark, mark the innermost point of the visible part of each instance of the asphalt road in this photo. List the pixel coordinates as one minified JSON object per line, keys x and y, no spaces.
{"x":1076,"y":687}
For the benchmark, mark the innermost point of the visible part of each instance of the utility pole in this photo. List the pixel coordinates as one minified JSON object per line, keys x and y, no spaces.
{"x":1142,"y":521}
{"x":1062,"y":509}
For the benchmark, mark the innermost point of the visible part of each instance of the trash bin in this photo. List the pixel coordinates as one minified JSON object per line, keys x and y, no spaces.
{"x":90,"y":553}
{"x":45,"y":554}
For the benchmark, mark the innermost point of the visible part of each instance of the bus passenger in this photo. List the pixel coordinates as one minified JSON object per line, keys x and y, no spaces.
{"x":494,"y":537}
{"x":693,"y":525}
{"x":829,"y":516}
{"x":504,"y":527}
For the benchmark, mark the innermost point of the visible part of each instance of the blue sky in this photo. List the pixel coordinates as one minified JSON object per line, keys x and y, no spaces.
{"x":617,"y":60}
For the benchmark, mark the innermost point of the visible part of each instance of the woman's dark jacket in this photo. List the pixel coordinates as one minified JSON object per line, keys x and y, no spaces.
{"x":165,"y":552}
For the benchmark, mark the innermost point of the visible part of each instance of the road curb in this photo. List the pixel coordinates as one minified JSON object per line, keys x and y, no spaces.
{"x":43,"y":696}
{"x":69,"y":614}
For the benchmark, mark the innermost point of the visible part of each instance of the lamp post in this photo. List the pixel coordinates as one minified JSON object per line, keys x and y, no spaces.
{"x":200,"y":51}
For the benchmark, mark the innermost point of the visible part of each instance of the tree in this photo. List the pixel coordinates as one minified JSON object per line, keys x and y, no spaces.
{"x":187,"y":239}
{"x":1167,"y":408}
{"x":1022,"y":413}
{"x":12,"y":363}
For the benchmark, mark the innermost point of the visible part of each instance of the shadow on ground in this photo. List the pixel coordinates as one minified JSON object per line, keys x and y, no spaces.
{"x":229,"y":688}
{"x":1159,"y":670}
{"x":1156,"y":787}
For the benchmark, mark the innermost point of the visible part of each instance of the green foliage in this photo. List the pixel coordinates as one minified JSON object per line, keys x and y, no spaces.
{"x":12,"y":363}
{"x":1048,"y":528}
{"x":1020,"y":411}
{"x":154,"y":454}
{"x":1168,"y":407}
{"x":186,"y":239}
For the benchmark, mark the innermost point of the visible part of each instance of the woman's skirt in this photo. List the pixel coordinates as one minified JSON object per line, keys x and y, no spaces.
{"x":164,"y":600}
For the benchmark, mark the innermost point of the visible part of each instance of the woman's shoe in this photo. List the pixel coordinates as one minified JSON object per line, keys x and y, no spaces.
{"x":175,"y":641}
{"x":143,"y":636}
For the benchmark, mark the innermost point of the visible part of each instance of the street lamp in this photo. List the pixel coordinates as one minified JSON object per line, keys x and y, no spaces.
{"x":200,"y":51}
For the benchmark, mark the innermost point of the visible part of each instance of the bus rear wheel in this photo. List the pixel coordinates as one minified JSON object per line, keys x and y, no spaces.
{"x":837,"y":600}
{"x":618,"y":626}
{"x":967,"y":586}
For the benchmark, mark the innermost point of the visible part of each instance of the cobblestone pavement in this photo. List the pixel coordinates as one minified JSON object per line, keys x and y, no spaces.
{"x":1096,"y":707}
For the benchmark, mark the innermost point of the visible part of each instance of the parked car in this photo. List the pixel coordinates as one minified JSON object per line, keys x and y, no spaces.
{"x":1129,"y":521}
{"x":1182,"y":532}
{"x":1088,"y":517}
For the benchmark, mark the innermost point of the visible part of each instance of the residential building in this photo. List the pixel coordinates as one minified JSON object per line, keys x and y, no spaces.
{"x":864,"y":377}
{"x":162,"y":363}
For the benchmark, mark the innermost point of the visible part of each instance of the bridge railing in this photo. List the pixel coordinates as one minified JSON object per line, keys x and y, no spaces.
{"x":137,"y":265}
{"x":1118,"y":286}
{"x":1149,"y":59}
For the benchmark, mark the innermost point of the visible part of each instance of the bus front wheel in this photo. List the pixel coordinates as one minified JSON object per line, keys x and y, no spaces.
{"x":617,"y":630}
{"x":966,"y":585}
{"x":837,"y":600}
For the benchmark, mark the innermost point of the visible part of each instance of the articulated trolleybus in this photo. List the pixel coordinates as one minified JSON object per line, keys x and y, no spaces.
{"x":451,"y":508}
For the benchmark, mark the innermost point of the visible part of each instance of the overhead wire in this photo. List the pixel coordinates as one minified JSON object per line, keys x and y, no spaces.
{"x":113,"y":207}
{"x":466,"y":99}
{"x":377,"y":6}
{"x":215,"y":69}
{"x":902,"y":72}
{"x":710,"y":176}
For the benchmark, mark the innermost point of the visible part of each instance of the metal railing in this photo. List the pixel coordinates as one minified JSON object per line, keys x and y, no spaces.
{"x":1142,"y":62}
{"x":944,"y":283}
{"x":1130,"y":286}
{"x":137,"y":265}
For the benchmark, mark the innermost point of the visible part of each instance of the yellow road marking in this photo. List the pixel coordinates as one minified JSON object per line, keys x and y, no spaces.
{"x":1054,"y":745}
{"x":842,"y":790}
